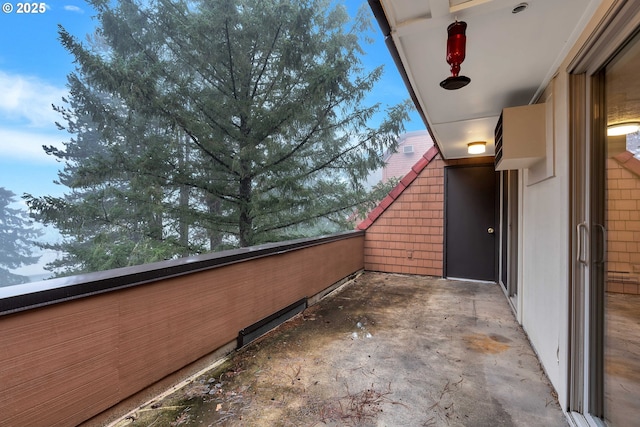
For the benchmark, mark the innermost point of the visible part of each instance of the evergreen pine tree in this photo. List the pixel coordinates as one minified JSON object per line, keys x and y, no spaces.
{"x":234,"y":122}
{"x":17,"y":235}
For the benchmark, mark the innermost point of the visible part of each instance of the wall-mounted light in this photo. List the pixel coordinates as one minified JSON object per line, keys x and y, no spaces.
{"x":477,"y":147}
{"x":456,"y":45}
{"x":623,"y":128}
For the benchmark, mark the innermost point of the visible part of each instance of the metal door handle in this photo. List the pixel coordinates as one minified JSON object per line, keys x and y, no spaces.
{"x":490,"y":230}
{"x":603,"y":247}
{"x":582,"y":230}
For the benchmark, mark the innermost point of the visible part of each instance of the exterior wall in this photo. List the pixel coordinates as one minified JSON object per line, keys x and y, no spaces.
{"x":408,"y":235}
{"x":545,"y":232}
{"x":545,"y":235}
{"x":623,"y":224}
{"x":68,"y":362}
{"x":398,"y":164}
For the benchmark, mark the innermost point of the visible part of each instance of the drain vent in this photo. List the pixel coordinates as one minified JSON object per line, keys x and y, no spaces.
{"x":250,"y":333}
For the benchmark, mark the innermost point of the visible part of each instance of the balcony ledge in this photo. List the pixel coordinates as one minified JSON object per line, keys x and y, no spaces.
{"x":27,"y":296}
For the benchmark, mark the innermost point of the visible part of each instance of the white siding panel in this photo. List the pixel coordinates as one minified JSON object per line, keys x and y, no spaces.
{"x":545,"y":258}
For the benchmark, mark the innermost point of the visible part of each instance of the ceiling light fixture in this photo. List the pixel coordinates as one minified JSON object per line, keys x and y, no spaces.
{"x":456,"y":41}
{"x":477,"y":147}
{"x":623,"y":128}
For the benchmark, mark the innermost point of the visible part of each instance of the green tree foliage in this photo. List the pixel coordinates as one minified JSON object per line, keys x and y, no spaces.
{"x":200,"y":124}
{"x":17,"y":236}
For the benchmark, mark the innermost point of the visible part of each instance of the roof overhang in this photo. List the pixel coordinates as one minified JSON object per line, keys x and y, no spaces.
{"x":510,"y":58}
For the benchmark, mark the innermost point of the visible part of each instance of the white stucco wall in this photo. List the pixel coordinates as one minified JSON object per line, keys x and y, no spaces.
{"x":544,"y":305}
{"x":545,"y":249}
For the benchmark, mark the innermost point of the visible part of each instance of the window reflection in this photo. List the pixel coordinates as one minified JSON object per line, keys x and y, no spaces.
{"x":622,"y":303}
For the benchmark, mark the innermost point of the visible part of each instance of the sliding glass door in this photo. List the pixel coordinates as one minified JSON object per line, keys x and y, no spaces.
{"x":604,"y":378}
{"x":620,"y":261}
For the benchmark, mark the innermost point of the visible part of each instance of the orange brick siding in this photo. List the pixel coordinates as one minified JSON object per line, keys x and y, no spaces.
{"x":623,"y":225}
{"x":408,"y":236}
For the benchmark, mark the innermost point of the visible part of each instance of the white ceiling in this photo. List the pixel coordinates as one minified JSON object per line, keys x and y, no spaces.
{"x":510,"y":58}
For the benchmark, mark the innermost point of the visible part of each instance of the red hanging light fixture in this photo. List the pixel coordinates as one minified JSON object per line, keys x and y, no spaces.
{"x":456,"y":42}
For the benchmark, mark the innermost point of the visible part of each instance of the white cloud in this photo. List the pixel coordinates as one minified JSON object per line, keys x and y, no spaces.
{"x":72,"y":8}
{"x":29,"y":98}
{"x":26,"y":146}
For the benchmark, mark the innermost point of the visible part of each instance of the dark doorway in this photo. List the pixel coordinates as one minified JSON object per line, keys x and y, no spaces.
{"x":470,"y":222}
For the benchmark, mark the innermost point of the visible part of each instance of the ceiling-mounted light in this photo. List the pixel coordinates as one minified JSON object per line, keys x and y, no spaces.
{"x":456,"y":41}
{"x":623,"y":128}
{"x":477,"y":147}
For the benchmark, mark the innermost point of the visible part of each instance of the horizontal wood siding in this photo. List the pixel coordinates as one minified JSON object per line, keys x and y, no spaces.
{"x":59,"y":361}
{"x":63,"y":364}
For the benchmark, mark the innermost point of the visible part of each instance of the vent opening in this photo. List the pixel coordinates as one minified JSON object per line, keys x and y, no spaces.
{"x":250,"y":333}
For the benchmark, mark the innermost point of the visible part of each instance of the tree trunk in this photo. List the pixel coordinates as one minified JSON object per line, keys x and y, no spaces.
{"x":246,"y":219}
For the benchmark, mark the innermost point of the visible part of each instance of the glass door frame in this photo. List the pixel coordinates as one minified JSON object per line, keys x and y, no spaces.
{"x":509,"y":245}
{"x":587,"y":124}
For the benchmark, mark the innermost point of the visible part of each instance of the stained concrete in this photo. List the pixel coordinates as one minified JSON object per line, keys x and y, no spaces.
{"x":383,"y":350}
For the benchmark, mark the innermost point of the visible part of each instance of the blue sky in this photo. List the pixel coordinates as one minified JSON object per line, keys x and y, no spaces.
{"x":33,"y":70}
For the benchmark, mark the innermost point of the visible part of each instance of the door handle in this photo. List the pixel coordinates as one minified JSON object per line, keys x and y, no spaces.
{"x":582,"y":230}
{"x":490,"y":230}
{"x":603,"y":246}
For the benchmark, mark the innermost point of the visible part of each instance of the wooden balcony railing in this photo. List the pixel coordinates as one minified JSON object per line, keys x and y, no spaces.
{"x":72,"y":348}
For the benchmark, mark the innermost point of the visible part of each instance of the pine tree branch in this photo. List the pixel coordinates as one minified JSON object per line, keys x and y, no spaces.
{"x":231,"y":71}
{"x":302,"y":220}
{"x":267,"y":55}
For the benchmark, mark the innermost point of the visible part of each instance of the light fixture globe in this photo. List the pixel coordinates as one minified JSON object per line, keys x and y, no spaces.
{"x":456,"y":45}
{"x":476,"y":147}
{"x":625,"y":128}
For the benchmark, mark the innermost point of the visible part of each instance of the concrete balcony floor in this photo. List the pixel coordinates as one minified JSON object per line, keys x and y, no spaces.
{"x":382,"y":350}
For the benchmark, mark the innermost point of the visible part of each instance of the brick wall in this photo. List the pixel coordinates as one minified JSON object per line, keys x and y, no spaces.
{"x":623,"y":224}
{"x":405,"y":233}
